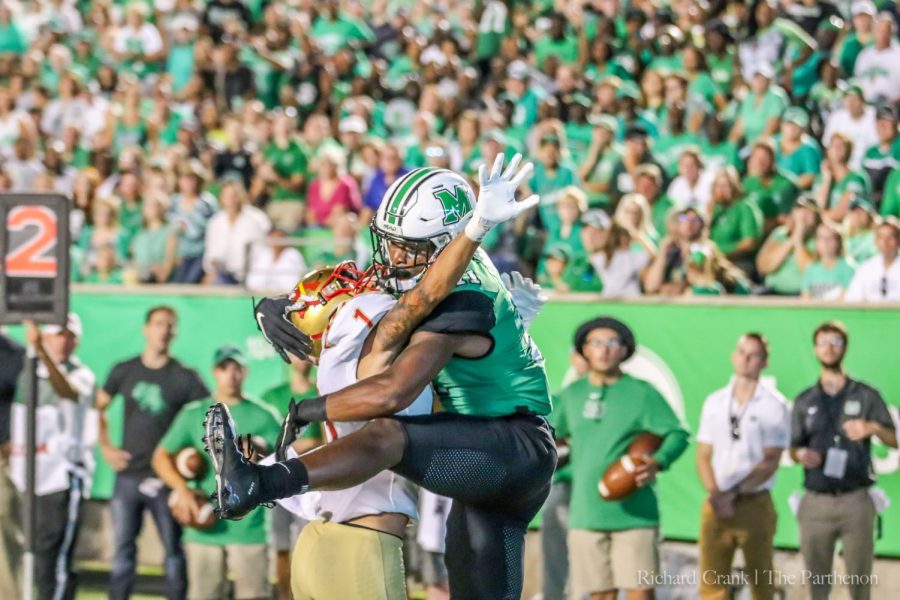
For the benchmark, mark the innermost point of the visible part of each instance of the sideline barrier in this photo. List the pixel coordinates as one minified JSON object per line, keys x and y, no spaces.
{"x":684,"y":348}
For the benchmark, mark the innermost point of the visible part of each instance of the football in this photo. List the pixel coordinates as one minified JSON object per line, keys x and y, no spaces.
{"x":619,"y":479}
{"x":190,"y":463}
{"x":205,"y":518}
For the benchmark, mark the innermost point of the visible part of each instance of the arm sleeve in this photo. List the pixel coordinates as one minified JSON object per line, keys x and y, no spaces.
{"x":465,"y":311}
{"x":778,"y":433}
{"x":558,"y":418}
{"x":113,"y":381}
{"x":879,"y":412}
{"x":178,"y":434}
{"x":659,"y":418}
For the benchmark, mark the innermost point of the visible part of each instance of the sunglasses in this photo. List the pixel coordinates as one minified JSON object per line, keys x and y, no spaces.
{"x":735,"y":427}
{"x":611,"y":344}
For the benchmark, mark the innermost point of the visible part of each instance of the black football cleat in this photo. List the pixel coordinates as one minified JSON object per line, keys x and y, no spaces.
{"x":237,"y":480}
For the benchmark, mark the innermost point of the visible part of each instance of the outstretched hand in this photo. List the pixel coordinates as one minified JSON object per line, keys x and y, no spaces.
{"x":526,"y":295}
{"x":497,"y":196}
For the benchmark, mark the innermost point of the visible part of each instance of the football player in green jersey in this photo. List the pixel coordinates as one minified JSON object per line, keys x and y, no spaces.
{"x":456,"y":325}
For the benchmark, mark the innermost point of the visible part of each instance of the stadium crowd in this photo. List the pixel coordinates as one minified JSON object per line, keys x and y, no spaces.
{"x":684,"y":147}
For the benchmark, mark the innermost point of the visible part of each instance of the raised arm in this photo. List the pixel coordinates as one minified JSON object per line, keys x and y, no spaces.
{"x":496,"y":204}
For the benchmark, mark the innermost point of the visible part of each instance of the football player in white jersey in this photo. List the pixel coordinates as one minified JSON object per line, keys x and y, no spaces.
{"x":338,"y":308}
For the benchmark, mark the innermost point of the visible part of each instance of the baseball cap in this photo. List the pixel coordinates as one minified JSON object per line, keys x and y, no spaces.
{"x":886,"y":111}
{"x":558,"y":252}
{"x":517,"y":69}
{"x":596,"y":217}
{"x":797,"y":116}
{"x":863,"y":7}
{"x":854,"y":88}
{"x":550,"y":138}
{"x":635,"y":131}
{"x":229,"y":352}
{"x":73,"y":325}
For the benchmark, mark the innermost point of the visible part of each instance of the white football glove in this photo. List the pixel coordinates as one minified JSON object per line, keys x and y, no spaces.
{"x":497,"y":196}
{"x":526,"y":295}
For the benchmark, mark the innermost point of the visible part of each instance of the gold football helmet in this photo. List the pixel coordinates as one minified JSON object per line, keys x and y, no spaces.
{"x":320,"y":293}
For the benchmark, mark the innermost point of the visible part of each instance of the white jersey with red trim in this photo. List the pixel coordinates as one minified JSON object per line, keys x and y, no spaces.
{"x":341,"y":346}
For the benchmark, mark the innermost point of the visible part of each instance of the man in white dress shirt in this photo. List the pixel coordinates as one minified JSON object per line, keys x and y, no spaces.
{"x":744,"y":427}
{"x":878,"y":279}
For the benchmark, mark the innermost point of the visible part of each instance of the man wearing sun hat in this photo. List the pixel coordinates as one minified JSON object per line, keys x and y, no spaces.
{"x":65,"y":393}
{"x":236,"y":546}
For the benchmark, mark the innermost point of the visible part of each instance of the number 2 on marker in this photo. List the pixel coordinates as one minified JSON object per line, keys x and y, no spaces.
{"x":26,"y":260}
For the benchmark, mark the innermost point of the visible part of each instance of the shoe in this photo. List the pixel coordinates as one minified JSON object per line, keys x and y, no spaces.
{"x":237,"y":480}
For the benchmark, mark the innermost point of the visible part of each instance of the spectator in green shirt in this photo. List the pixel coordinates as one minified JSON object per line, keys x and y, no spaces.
{"x":861,"y":222}
{"x":829,"y":277}
{"x":883,"y":158}
{"x":771,"y":190}
{"x":890,"y":202}
{"x":648,"y":183}
{"x":789,"y":250}
{"x":860,"y":36}
{"x":837,"y":184}
{"x":760,"y":113}
{"x":12,"y":41}
{"x":796,"y":152}
{"x":551,"y":175}
{"x":597,"y":167}
{"x":735,"y":225}
{"x":557,"y":42}
{"x":236,"y":546}
{"x":611,"y":542}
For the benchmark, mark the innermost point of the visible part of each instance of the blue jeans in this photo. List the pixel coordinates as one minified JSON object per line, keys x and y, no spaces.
{"x":127,"y":506}
{"x":189,"y":270}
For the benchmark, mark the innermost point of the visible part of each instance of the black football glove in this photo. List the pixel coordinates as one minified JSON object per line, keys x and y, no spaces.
{"x":278,"y":330}
{"x":292,"y":427}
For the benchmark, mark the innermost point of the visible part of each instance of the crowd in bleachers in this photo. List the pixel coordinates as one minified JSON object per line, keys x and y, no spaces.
{"x":682,"y":147}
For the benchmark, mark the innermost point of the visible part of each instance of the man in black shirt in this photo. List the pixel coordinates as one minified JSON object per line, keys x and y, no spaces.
{"x":154,"y":387}
{"x":831,"y":429}
{"x":11,"y":361}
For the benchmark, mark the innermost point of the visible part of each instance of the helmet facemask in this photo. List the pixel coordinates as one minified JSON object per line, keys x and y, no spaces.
{"x":418,"y":255}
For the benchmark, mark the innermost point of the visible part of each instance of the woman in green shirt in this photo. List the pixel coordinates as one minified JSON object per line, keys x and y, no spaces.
{"x":11,"y":39}
{"x":795,"y":152}
{"x":735,"y":225}
{"x":154,"y":246}
{"x":789,"y":250}
{"x":597,"y":168}
{"x":830,"y":276}
{"x":838,"y":184}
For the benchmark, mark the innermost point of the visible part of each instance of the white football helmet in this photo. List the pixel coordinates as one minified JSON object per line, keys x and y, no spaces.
{"x":421,"y":212}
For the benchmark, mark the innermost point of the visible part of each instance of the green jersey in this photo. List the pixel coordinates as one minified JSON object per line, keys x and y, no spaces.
{"x":733,"y":224}
{"x":186,"y":432}
{"x":280,"y":396}
{"x":775,"y":197}
{"x":821,"y":282}
{"x":600,"y":423}
{"x":890,"y":203}
{"x":805,"y":160}
{"x":510,"y":378}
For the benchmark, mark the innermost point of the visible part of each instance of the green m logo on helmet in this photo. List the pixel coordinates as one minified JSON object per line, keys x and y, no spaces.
{"x":456,"y":204}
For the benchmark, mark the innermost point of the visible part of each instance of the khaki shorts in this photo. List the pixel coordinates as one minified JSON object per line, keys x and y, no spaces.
{"x":341,"y":562}
{"x":600,"y":561}
{"x":208,"y":568}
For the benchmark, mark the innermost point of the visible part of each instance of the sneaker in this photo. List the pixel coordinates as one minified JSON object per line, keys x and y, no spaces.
{"x":237,"y":480}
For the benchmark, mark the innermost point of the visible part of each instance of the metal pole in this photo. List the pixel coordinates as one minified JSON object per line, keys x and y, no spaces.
{"x":31,"y":392}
